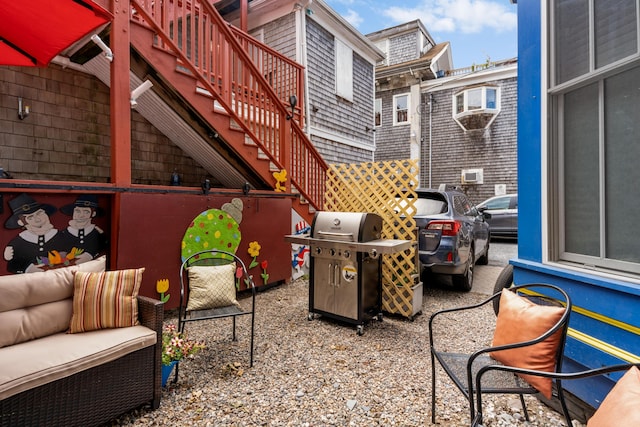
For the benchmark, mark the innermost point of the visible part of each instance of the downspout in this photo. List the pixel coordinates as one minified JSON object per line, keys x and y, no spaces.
{"x":301,"y":24}
{"x":430,"y":133}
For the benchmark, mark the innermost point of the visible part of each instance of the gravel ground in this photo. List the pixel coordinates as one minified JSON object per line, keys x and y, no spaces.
{"x":321,"y":373}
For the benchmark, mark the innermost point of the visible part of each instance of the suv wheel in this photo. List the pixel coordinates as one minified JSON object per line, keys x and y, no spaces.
{"x":504,"y":281}
{"x":464,"y":282}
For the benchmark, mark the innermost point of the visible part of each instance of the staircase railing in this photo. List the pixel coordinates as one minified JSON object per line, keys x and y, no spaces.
{"x":208,"y":49}
{"x":284,"y":75}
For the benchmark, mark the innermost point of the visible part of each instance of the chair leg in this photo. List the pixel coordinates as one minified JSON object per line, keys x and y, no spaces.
{"x":234,"y":329}
{"x":563,"y":404}
{"x":433,"y":389}
{"x":524,"y":408}
{"x":251,"y":344}
{"x":175,"y":376}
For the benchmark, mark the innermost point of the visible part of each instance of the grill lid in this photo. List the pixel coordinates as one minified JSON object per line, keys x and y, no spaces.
{"x":346,"y":226}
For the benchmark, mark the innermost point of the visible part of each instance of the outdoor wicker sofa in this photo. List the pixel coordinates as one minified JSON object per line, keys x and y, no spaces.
{"x":73,"y":379}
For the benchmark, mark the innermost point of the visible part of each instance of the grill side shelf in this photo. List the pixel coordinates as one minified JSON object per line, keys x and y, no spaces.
{"x":382,"y":246}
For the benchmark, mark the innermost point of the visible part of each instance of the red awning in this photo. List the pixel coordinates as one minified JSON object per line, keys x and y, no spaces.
{"x":33,"y":32}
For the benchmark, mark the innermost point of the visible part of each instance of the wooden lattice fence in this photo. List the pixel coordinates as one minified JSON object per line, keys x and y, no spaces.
{"x":387,"y":189}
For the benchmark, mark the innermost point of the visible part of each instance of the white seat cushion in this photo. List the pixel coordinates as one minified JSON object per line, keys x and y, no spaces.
{"x":33,"y":363}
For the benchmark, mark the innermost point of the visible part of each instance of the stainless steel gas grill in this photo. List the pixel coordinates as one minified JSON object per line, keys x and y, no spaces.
{"x":345,"y":269}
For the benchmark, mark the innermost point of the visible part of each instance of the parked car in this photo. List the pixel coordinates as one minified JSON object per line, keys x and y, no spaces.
{"x":504,"y":215}
{"x":453,"y":236}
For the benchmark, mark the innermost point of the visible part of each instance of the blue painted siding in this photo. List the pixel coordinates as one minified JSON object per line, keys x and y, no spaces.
{"x":613,"y":298}
{"x":529,"y":131}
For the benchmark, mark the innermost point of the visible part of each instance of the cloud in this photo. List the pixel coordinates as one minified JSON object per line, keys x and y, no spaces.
{"x":353,"y":18}
{"x":466,"y":16}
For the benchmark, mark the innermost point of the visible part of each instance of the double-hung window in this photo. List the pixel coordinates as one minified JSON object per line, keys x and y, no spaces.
{"x":377,"y":114}
{"x":401,"y":109}
{"x":594,"y":101}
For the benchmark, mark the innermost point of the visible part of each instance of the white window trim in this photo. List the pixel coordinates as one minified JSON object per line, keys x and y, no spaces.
{"x":394,"y":111}
{"x":553,"y":232}
{"x":466,"y":112}
{"x":377,"y":107}
{"x":344,"y":70}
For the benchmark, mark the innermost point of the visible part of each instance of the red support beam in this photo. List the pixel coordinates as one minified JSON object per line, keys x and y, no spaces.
{"x":244,"y":13}
{"x":120,"y":95}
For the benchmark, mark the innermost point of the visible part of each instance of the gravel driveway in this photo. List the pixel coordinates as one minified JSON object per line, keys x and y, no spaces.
{"x":321,"y":373}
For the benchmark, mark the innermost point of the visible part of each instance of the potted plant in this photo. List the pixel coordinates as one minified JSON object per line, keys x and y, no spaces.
{"x":175,"y":347}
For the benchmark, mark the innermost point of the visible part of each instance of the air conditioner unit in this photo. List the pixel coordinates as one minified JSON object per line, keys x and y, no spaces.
{"x":471,"y":176}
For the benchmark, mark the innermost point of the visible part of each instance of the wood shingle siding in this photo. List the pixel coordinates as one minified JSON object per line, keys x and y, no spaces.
{"x":493,"y":150}
{"x":70,"y":140}
{"x":392,"y":142}
{"x":345,"y":120}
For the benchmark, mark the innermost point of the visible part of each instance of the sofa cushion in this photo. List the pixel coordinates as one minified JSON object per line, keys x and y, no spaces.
{"x":33,"y":363}
{"x":105,"y":300}
{"x":30,"y":289}
{"x":34,"y":305}
{"x":29,"y":323}
{"x":537,"y":319}
{"x":96,"y":265}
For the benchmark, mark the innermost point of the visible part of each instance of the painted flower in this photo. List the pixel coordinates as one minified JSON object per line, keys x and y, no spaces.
{"x":162,"y":286}
{"x":239,"y":274}
{"x":265,"y":276}
{"x":254,"y":249}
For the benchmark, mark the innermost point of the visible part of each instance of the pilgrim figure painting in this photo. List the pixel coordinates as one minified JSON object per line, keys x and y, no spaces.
{"x":40,"y":246}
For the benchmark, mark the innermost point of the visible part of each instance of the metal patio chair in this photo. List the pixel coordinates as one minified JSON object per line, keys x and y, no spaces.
{"x":564,"y":376}
{"x":462,"y":368}
{"x":208,"y":291}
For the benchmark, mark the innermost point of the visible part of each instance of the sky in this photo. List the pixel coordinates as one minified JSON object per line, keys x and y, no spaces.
{"x":478,"y":30}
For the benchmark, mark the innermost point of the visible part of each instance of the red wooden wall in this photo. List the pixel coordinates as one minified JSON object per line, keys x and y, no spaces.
{"x":150,"y":228}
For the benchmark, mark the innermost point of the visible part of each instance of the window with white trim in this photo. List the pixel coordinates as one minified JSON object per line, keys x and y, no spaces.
{"x":377,"y":114}
{"x":469,"y":101}
{"x":594,"y":98}
{"x":344,"y":71}
{"x":477,"y":107}
{"x":401,"y":109}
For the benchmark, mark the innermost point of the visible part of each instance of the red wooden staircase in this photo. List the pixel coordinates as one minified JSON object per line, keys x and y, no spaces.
{"x":240,"y":86}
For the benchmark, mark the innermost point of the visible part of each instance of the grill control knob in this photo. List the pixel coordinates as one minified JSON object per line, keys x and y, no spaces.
{"x":332,"y":252}
{"x":347,"y":254}
{"x":318,"y":250}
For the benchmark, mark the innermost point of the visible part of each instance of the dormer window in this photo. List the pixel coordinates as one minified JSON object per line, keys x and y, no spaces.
{"x":476,"y":108}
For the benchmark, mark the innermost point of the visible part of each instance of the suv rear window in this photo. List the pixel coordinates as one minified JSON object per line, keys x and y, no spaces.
{"x":430,"y":206}
{"x":426,"y":204}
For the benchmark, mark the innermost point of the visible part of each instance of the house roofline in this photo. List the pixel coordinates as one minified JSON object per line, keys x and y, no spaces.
{"x":507,"y":71}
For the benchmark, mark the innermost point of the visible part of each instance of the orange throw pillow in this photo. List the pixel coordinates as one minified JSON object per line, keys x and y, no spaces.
{"x":620,"y":407}
{"x":105,"y":300}
{"x":521,"y":320}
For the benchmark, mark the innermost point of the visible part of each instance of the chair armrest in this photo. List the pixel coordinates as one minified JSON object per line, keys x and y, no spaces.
{"x":151,"y":314}
{"x":555,"y":375}
{"x":561,"y":376}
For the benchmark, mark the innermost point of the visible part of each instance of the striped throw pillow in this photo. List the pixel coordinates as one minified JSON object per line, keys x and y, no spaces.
{"x":105,"y":300}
